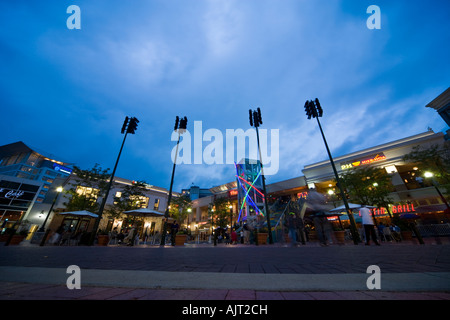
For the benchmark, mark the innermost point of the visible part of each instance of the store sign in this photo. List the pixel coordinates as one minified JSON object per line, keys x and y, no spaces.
{"x":232,"y":193}
{"x":303,"y":195}
{"x":378,"y":157}
{"x":61,"y":168}
{"x":403,"y":208}
{"x":16,"y":195}
{"x":12,"y":193}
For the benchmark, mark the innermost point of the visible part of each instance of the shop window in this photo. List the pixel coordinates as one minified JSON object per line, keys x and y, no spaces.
{"x":88,"y":192}
{"x":156,"y":205}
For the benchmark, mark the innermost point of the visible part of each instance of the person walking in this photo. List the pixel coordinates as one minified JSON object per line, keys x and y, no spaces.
{"x":173,"y":231}
{"x":369,"y":227}
{"x":292,"y":227}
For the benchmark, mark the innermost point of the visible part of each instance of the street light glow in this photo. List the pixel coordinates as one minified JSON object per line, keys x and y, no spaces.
{"x":428,"y":174}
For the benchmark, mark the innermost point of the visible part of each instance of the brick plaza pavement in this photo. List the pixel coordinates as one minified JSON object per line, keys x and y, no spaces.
{"x":225,"y":272}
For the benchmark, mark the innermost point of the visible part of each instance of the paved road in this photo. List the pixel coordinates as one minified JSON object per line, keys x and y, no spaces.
{"x":408,"y":271}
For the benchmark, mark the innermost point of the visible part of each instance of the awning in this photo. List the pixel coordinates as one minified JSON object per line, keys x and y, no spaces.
{"x":145,"y":212}
{"x":79,"y":213}
{"x":351,"y":206}
{"x":430,"y":208}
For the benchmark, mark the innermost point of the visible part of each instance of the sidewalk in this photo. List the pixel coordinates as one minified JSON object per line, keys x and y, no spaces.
{"x":204,"y":272}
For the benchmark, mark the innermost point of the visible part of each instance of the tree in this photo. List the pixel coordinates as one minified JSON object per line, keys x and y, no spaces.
{"x":179,"y":207}
{"x":221,"y":212}
{"x":88,"y":185}
{"x":130,"y":198}
{"x":368,"y":185}
{"x":435,"y":159}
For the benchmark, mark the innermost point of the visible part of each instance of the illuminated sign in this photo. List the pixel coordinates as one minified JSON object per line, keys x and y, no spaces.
{"x":378,"y":157}
{"x":403,"y":208}
{"x":61,"y":168}
{"x":303,"y":195}
{"x":232,"y":193}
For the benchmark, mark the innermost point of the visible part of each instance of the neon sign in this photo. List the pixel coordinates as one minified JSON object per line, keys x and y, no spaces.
{"x":232,"y":193}
{"x":303,"y":195}
{"x":401,"y":208}
{"x":378,"y":157}
{"x":247,"y":187}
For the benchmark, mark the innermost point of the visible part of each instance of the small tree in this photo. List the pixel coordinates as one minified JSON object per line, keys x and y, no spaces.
{"x":129,"y":199}
{"x":179,"y":207}
{"x":368,"y":185}
{"x":221,"y":212}
{"x":89,"y":185}
{"x":435,"y":159}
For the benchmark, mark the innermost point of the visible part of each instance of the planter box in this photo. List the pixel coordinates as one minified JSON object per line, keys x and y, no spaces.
{"x":262,"y":237}
{"x":16,"y":239}
{"x":406,"y":235}
{"x":103,"y":240}
{"x":180,"y":239}
{"x":340,"y":237}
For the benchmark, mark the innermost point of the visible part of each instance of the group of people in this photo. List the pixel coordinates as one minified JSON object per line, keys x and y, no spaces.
{"x":63,"y":236}
{"x":222,"y":235}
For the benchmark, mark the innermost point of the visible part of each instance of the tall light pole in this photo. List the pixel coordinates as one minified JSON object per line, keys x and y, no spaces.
{"x":129,"y":126}
{"x":42,"y":228}
{"x":313,"y":109}
{"x":180,"y":127}
{"x":430,"y":175}
{"x":256,"y":121}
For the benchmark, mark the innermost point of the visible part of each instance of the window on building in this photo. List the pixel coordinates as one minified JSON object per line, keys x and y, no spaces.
{"x":88,"y":192}
{"x":156,"y":204}
{"x":140,"y":201}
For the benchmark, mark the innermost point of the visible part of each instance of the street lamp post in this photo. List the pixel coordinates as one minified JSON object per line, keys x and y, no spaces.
{"x":255,"y":121}
{"x":129,"y":126}
{"x":231,"y":217}
{"x":313,"y":109}
{"x":430,"y":175}
{"x":180,"y":127}
{"x":42,"y":228}
{"x":58,"y":191}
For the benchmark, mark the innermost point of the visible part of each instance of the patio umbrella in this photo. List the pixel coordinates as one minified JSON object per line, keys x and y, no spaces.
{"x":144,"y":212}
{"x":80,"y":213}
{"x":329,"y":214}
{"x":411,"y":216}
{"x":351,"y":206}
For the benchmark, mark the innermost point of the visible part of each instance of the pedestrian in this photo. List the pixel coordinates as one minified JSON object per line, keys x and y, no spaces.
{"x":246,"y":234}
{"x":320,"y":229}
{"x":233,"y":237}
{"x":292,"y":228}
{"x":56,"y":238}
{"x":173,"y":231}
{"x":369,"y":227}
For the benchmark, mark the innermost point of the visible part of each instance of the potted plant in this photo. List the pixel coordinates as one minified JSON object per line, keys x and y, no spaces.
{"x":18,"y":237}
{"x":405,"y":230}
{"x":103,"y":238}
{"x":339,"y":233}
{"x":180,"y":238}
{"x":262,"y":235}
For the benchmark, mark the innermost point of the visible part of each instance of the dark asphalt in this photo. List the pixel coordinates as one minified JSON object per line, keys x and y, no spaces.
{"x":205,"y":262}
{"x":391,"y":258}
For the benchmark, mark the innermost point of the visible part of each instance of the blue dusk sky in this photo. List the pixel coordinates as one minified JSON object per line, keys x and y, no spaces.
{"x":67,"y":91}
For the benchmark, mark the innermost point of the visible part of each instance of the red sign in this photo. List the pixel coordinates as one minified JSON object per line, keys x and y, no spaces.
{"x":303,"y":195}
{"x":403,"y":208}
{"x":378,"y":157}
{"x":395,"y":209}
{"x":232,"y":193}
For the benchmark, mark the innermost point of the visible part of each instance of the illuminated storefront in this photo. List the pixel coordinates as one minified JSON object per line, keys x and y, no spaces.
{"x":16,"y":199}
